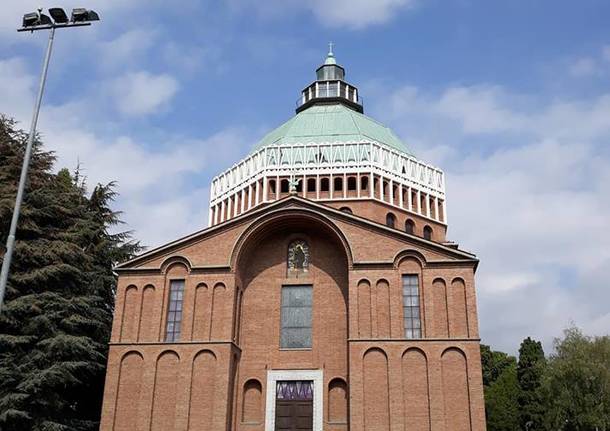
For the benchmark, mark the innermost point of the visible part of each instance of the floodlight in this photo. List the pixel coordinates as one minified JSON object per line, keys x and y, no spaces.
{"x":83,"y":15}
{"x":35,"y":19}
{"x":30,"y":19}
{"x":59,"y":15}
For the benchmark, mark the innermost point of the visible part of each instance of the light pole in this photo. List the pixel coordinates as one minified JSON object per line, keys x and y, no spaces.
{"x":32,"y":22}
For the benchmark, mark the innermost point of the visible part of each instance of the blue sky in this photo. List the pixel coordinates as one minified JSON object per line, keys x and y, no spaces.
{"x":511,"y":99}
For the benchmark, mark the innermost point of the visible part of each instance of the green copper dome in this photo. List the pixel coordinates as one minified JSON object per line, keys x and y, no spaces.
{"x":331,"y":123}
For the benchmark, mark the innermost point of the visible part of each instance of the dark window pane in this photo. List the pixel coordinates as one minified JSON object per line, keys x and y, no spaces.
{"x":411,"y":314}
{"x":174,"y":313}
{"x":296,"y":317}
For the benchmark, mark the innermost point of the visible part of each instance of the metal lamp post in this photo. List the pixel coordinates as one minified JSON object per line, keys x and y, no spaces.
{"x":32,"y":22}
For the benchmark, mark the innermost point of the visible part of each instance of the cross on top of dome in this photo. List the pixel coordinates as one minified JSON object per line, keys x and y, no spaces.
{"x":330,"y":57}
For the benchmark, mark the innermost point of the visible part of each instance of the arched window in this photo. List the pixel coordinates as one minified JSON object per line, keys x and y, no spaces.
{"x":428,"y":232}
{"x":324,"y":185}
{"x":390,"y":220}
{"x":311,"y":185}
{"x":285,"y":186}
{"x":298,"y":256}
{"x":409,"y":226}
{"x":272,"y":186}
{"x":351,"y":183}
{"x":364,"y":183}
{"x":346,"y":210}
{"x":338,"y":184}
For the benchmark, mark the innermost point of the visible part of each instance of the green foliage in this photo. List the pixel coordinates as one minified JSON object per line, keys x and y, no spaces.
{"x":501,"y":390}
{"x":577,"y":383}
{"x":56,"y":320}
{"x":530,"y":371}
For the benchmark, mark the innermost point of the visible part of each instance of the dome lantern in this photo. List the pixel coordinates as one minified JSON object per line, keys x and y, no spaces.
{"x":330,"y":87}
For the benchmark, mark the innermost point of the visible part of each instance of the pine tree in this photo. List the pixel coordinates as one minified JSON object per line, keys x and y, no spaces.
{"x":530,"y":373}
{"x":55,"y":323}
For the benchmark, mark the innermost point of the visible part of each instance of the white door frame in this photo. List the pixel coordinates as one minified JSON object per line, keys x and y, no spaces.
{"x":273,"y":376}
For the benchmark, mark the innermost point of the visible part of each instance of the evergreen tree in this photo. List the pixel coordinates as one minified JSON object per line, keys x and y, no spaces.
{"x":530,"y":372}
{"x":577,"y":384}
{"x":501,"y":390}
{"x":55,"y":323}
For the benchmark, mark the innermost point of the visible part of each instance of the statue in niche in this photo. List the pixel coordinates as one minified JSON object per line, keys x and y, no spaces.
{"x":298,"y":256}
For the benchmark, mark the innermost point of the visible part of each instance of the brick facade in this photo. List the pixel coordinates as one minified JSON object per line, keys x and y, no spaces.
{"x":373,"y":378}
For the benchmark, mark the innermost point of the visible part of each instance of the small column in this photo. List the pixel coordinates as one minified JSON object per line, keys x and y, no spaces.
{"x":331,"y":186}
{"x":222,"y":210}
{"x":428,"y":205}
{"x":216,"y":211}
{"x":249,"y":196}
{"x":258,"y":186}
{"x":445,"y":212}
{"x":317,"y":89}
{"x":243,"y":200}
{"x":344,"y":186}
{"x":317,"y":186}
{"x":381,"y":188}
{"x":277,"y":187}
{"x":372,"y":185}
{"x":210,"y":216}
{"x":409,"y":199}
{"x":400,"y":197}
{"x":391,"y":185}
{"x":436,"y":208}
{"x":419,"y":210}
{"x":358,"y":185}
{"x":304,"y":186}
{"x":229,"y":207}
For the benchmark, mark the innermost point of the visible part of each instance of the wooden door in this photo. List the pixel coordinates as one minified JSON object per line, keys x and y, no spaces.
{"x":294,"y":406}
{"x":294,"y":415}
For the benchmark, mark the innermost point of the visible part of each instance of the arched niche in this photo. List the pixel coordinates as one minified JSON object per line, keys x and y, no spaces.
{"x":129,"y":317}
{"x":252,"y":402}
{"x":459,"y":308}
{"x":203,"y":391}
{"x":338,"y":401}
{"x":441,"y":308}
{"x":415,"y":389}
{"x":376,"y":390}
{"x":165,"y":391}
{"x":454,"y":374}
{"x":129,"y":394}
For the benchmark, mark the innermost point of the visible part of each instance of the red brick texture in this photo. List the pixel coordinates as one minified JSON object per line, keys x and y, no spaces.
{"x":215,"y":378}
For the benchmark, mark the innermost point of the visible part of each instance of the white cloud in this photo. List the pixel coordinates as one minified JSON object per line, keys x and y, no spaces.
{"x":127,"y":49}
{"x":15,"y":87}
{"x":357,"y":13}
{"x":141,"y":93}
{"x":606,"y":53}
{"x":353,"y":14}
{"x":584,"y":67}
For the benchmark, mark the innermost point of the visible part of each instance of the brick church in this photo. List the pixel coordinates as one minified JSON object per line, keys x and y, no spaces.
{"x":324,"y":294}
